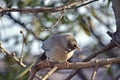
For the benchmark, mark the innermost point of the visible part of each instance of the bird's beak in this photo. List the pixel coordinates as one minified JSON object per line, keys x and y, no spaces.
{"x":78,"y":48}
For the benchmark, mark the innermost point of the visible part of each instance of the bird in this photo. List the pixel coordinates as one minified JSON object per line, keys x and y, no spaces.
{"x":59,"y":47}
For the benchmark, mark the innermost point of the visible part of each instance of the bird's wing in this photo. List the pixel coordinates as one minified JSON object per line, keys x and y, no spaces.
{"x":46,"y":45}
{"x":52,"y":42}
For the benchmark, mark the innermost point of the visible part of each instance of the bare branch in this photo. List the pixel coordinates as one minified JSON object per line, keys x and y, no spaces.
{"x":50,"y":10}
{"x":115,"y":37}
{"x":94,"y":72}
{"x":21,"y":57}
{"x":55,"y":24}
{"x":47,"y":29}
{"x":23,"y":25}
{"x":108,"y":47}
{"x":77,"y":65}
{"x":50,"y":73}
{"x":13,"y":55}
{"x":100,"y":51}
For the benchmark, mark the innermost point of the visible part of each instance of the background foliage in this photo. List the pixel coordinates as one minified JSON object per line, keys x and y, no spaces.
{"x":88,"y":24}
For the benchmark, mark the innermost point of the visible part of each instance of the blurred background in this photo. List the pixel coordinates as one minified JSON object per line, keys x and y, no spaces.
{"x":88,"y":24}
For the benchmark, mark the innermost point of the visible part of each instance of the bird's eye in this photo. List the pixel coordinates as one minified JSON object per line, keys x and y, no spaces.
{"x":74,"y":45}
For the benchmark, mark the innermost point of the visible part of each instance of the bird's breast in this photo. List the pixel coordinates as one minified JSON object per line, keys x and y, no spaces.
{"x":59,"y":55}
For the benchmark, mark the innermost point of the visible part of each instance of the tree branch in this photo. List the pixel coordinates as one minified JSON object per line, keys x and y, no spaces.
{"x":94,"y":72}
{"x":23,"y":25}
{"x":55,"y":24}
{"x":50,"y":73}
{"x":115,"y":36}
{"x":108,"y":47}
{"x":13,"y":55}
{"x":50,"y":10}
{"x":77,"y":65}
{"x":100,"y":51}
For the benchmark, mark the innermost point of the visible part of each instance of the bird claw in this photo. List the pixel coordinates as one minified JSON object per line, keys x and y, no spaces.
{"x":67,"y":63}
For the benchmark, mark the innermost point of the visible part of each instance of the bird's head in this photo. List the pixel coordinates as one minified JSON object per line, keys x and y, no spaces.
{"x":70,"y":42}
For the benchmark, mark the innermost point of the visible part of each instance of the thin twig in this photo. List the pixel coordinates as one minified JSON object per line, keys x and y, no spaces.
{"x":50,"y":73}
{"x":13,"y":55}
{"x":47,"y":29}
{"x":55,"y":24}
{"x":95,"y":71}
{"x":48,"y":9}
{"x":23,"y":25}
{"x":100,"y":51}
{"x":22,"y":55}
